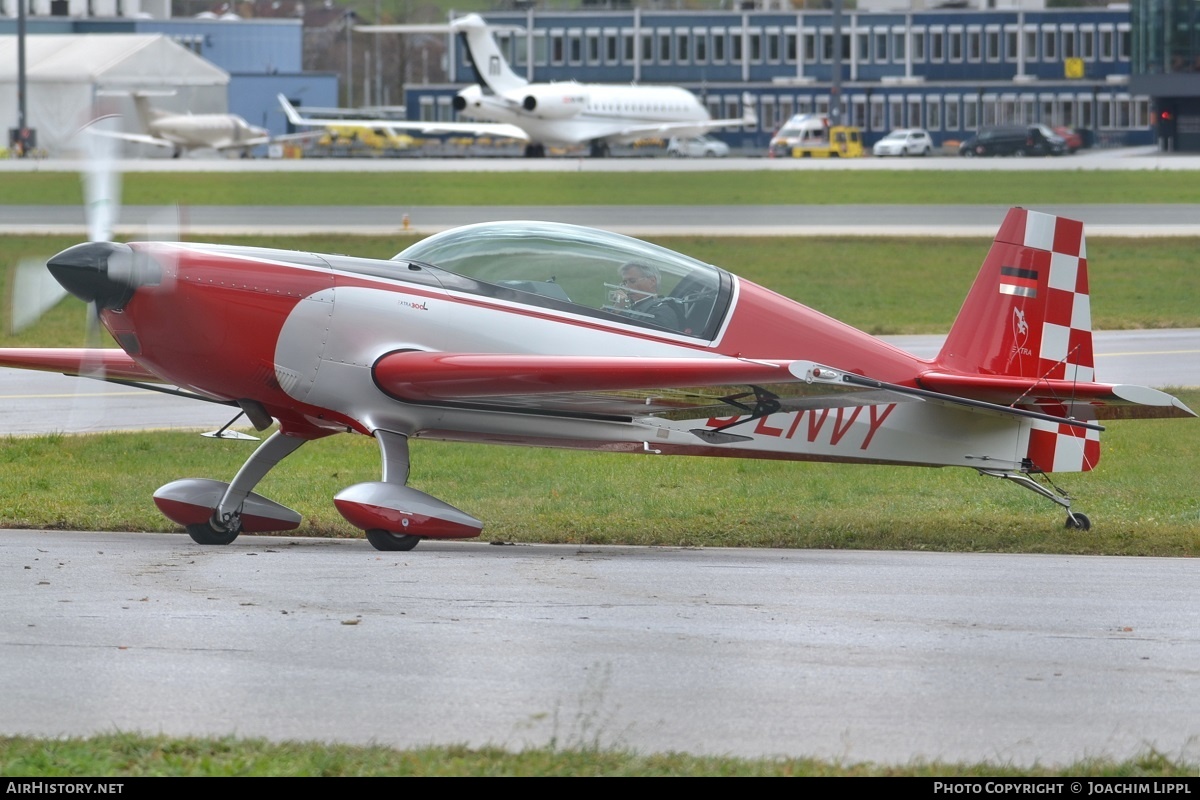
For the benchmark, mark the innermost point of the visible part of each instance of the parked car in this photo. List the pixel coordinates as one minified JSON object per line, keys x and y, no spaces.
{"x":1072,"y":137}
{"x":1029,"y":140}
{"x":697,"y":147}
{"x":904,"y":142}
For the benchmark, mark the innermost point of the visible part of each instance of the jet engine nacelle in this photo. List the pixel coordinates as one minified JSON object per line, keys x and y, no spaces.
{"x":401,"y":509}
{"x":552,"y":101}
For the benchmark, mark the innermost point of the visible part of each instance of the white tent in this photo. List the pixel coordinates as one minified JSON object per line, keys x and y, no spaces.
{"x":68,"y":75}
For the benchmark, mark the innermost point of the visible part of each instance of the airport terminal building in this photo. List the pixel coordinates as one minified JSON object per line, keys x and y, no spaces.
{"x":949,"y":71}
{"x":1126,"y":74}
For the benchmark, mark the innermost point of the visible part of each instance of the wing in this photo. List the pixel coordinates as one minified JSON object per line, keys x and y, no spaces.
{"x":429,"y":127}
{"x":696,"y":388}
{"x":115,"y":364}
{"x":750,"y":118}
{"x":139,"y":138}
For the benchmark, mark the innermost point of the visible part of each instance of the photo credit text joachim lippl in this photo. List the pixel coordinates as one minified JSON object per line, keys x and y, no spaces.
{"x":1077,"y":788}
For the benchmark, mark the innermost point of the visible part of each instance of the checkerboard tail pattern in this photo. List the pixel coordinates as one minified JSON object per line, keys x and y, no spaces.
{"x":1028,"y":313}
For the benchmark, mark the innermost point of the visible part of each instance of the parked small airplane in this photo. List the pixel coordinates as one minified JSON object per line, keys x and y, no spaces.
{"x":185,"y":133}
{"x":563,"y":114}
{"x":556,"y":335}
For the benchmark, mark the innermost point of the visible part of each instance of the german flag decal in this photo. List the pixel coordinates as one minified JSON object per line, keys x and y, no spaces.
{"x":1019,"y":282}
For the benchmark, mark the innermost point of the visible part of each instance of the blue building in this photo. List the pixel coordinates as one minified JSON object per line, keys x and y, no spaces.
{"x":950,"y":71}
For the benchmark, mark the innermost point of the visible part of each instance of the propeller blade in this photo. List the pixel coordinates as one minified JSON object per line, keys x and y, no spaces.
{"x":34,"y":292}
{"x":101,"y":179}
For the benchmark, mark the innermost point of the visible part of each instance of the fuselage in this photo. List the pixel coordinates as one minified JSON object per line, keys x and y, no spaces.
{"x":570,"y":113}
{"x":300,"y":334}
{"x":218,"y":131}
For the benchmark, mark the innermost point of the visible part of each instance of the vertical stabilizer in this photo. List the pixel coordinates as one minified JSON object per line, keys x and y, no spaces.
{"x":1028,"y":314}
{"x":491,"y":68}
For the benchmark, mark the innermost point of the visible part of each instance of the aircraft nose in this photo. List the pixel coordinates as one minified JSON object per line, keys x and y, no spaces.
{"x":106,"y":273}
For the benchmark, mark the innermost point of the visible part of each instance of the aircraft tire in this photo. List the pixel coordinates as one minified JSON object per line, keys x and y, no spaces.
{"x":205,"y":533}
{"x":391,"y":542}
{"x":1078,"y":522}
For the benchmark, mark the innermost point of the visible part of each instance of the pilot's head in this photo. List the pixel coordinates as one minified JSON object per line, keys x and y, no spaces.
{"x":640,"y":278}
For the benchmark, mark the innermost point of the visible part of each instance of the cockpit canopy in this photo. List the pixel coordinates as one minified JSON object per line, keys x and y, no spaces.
{"x":579,"y":269}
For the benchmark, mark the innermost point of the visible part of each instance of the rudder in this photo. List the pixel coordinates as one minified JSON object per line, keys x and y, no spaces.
{"x":1028,"y":313}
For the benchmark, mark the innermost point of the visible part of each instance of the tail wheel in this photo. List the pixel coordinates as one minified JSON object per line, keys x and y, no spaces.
{"x":1078,"y":522}
{"x":391,"y":542}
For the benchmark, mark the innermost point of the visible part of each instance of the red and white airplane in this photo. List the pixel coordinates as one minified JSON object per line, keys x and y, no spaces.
{"x":535,"y":333}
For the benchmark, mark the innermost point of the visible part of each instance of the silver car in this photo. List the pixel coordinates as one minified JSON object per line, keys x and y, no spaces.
{"x":697,"y":147}
{"x":905,"y":142}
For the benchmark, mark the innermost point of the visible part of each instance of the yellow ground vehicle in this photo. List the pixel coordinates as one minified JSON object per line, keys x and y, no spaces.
{"x":811,"y":136}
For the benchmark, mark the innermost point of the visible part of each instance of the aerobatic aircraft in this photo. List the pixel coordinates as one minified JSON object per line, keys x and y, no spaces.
{"x":563,"y":113}
{"x":546,"y":334}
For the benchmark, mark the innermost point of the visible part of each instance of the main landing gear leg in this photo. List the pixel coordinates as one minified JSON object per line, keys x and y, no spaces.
{"x":226,"y":521}
{"x":1054,"y":495}
{"x":394,"y":449}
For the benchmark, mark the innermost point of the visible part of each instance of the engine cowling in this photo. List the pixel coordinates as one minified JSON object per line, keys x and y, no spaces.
{"x":552,"y":101}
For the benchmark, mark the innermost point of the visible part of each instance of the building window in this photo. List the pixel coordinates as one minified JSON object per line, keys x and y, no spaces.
{"x":664,"y":48}
{"x":937,"y":46}
{"x":863,"y":46}
{"x":1108,"y":44}
{"x":630,"y":47}
{"x":970,"y":113}
{"x":881,"y":47}
{"x":647,"y":47}
{"x":593,"y":48}
{"x":773,"y":47}
{"x":1049,"y":44}
{"x":755,"y":42}
{"x":953,"y":113}
{"x":735,"y":49}
{"x":1011,"y":41}
{"x":557,"y":48}
{"x":810,"y":48}
{"x":898,"y":48}
{"x":933,"y":113}
{"x":575,"y":49}
{"x":956,"y":46}
{"x":1031,"y":48}
{"x":1068,"y":43}
{"x":974,"y":46}
{"x":718,"y":46}
{"x":992,"y":45}
{"x":918,"y":44}
{"x":683,"y":51}
{"x":700,"y":37}
{"x":1087,"y":44}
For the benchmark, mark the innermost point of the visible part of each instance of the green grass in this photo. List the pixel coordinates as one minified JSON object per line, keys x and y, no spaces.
{"x":131,"y":756}
{"x":753,"y":187}
{"x":105,"y":482}
{"x":881,"y":285}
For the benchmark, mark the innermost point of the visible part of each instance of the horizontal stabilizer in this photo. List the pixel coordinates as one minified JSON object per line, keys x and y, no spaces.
{"x":1080,"y":400}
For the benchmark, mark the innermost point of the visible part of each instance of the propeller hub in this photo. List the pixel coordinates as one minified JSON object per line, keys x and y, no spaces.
{"x":106,"y":273}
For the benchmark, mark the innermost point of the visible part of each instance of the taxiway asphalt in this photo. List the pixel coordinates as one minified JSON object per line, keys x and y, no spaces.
{"x":893,"y":658}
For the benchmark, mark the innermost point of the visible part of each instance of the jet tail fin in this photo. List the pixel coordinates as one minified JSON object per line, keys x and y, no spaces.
{"x":491,"y":68}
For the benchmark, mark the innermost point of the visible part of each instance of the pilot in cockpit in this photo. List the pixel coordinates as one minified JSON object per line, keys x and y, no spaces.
{"x":638,"y":297}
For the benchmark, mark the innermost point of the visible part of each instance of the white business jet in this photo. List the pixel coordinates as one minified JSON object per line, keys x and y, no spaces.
{"x":187,"y":133}
{"x":561,"y":113}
